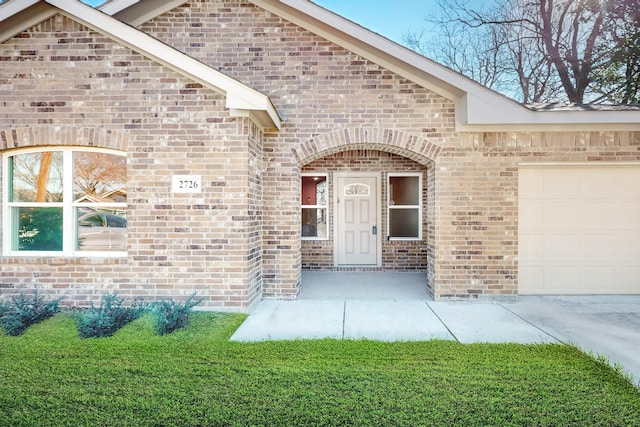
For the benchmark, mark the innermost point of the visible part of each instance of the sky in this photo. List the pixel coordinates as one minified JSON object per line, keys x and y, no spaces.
{"x":390,"y":18}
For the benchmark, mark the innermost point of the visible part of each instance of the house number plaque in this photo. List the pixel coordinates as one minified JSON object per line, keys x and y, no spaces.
{"x":186,"y":184}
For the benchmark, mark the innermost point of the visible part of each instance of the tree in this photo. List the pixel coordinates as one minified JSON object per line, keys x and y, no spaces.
{"x":541,"y":50}
{"x":619,"y":79}
{"x":98,"y":174}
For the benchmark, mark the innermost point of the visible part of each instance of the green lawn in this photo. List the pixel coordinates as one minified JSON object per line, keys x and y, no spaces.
{"x":49,"y":376}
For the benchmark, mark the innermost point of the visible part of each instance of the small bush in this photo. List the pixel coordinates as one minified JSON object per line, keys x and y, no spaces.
{"x":21,"y":312}
{"x":170,"y":315}
{"x":105,"y":320}
{"x":4,"y":307}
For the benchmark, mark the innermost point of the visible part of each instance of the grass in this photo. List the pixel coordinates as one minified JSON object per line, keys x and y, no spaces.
{"x":195,"y":376}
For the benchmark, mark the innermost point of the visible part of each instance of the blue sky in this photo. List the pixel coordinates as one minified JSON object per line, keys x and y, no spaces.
{"x":388,"y":17}
{"x":392,"y":19}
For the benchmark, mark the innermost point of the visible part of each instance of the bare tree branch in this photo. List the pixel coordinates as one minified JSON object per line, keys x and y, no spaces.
{"x":539,"y":50}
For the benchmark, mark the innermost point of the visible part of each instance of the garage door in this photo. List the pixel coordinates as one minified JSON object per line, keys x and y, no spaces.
{"x":579,"y":229}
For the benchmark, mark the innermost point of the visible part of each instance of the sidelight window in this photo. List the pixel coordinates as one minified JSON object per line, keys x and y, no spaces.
{"x":314,"y":203}
{"x":405,"y":206}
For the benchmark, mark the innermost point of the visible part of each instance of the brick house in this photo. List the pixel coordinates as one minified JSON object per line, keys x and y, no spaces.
{"x":157,"y":148}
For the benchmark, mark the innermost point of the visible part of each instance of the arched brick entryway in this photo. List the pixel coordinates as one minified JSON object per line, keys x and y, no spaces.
{"x":409,"y":145}
{"x":367,"y":140}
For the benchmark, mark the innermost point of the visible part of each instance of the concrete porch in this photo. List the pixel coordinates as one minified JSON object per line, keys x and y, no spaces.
{"x":363,"y":286}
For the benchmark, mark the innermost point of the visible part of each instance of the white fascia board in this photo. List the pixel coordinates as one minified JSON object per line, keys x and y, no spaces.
{"x":24,"y":19}
{"x":238,"y":95}
{"x":115,"y":6}
{"x":480,"y":115}
{"x":479,"y":109}
{"x":7,"y":10}
{"x":146,"y":10}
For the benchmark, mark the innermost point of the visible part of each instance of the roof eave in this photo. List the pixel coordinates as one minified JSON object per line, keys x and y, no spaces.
{"x":478,"y":116}
{"x":114,"y":6}
{"x":468,"y":95}
{"x":477,"y":108}
{"x":238,"y":96}
{"x":143,"y":11}
{"x":16,"y":19}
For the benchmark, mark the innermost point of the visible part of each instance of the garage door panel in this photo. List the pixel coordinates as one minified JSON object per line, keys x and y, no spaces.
{"x":588,"y":239}
{"x":562,"y":247}
{"x":562,"y":215}
{"x":596,"y":248}
{"x":601,"y":279}
{"x":628,"y":248}
{"x":558,"y":278}
{"x":608,"y":183}
{"x":572,"y":184}
{"x":530,"y":275}
{"x":597,"y":214}
{"x":627,"y":184}
{"x":533,"y":246}
{"x":621,"y":247}
{"x":596,"y":278}
{"x":626,"y":215}
{"x":532,"y":186}
{"x":627,"y":277}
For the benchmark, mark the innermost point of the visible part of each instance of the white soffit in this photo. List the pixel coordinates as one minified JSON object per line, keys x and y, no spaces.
{"x":11,"y":8}
{"x":478,"y":108}
{"x":114,"y":6}
{"x":17,"y":16}
{"x":240,"y":99}
{"x":145,"y":10}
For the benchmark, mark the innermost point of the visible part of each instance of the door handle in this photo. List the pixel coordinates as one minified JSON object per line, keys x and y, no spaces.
{"x":374,"y":230}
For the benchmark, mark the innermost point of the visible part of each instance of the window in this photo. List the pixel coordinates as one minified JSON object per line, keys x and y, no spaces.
{"x":94,"y":3}
{"x":315,"y":207}
{"x":64,"y":201}
{"x":405,"y":206}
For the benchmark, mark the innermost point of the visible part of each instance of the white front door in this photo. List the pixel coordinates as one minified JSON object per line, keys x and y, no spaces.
{"x":357,"y":220}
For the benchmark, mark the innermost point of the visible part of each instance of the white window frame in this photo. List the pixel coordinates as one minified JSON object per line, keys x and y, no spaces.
{"x":399,"y":207}
{"x":325,"y":207}
{"x":69,"y":226}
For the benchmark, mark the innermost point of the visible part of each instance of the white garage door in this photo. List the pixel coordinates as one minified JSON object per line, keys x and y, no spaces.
{"x":579,"y":229}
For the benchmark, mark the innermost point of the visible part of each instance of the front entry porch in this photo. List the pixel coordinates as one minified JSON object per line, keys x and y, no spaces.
{"x":364,"y":286}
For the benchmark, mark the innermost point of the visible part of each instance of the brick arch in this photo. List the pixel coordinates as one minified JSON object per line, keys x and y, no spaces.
{"x":409,"y":145}
{"x":63,"y":135}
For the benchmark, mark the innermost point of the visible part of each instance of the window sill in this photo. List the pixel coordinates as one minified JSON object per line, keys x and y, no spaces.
{"x":97,"y":255}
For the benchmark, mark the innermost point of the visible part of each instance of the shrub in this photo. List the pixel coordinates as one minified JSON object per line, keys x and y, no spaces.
{"x":21,"y":312}
{"x":170,"y":315}
{"x":4,"y":307}
{"x":105,"y":320}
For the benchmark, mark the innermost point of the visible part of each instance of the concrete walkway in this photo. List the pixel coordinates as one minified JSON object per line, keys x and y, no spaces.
{"x":395,"y":307}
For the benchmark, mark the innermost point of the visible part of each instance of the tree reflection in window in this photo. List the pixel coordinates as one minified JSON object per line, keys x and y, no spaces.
{"x":51,"y":193}
{"x":314,"y":207}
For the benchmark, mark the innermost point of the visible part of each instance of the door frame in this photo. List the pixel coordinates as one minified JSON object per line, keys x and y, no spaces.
{"x":336,"y":210}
